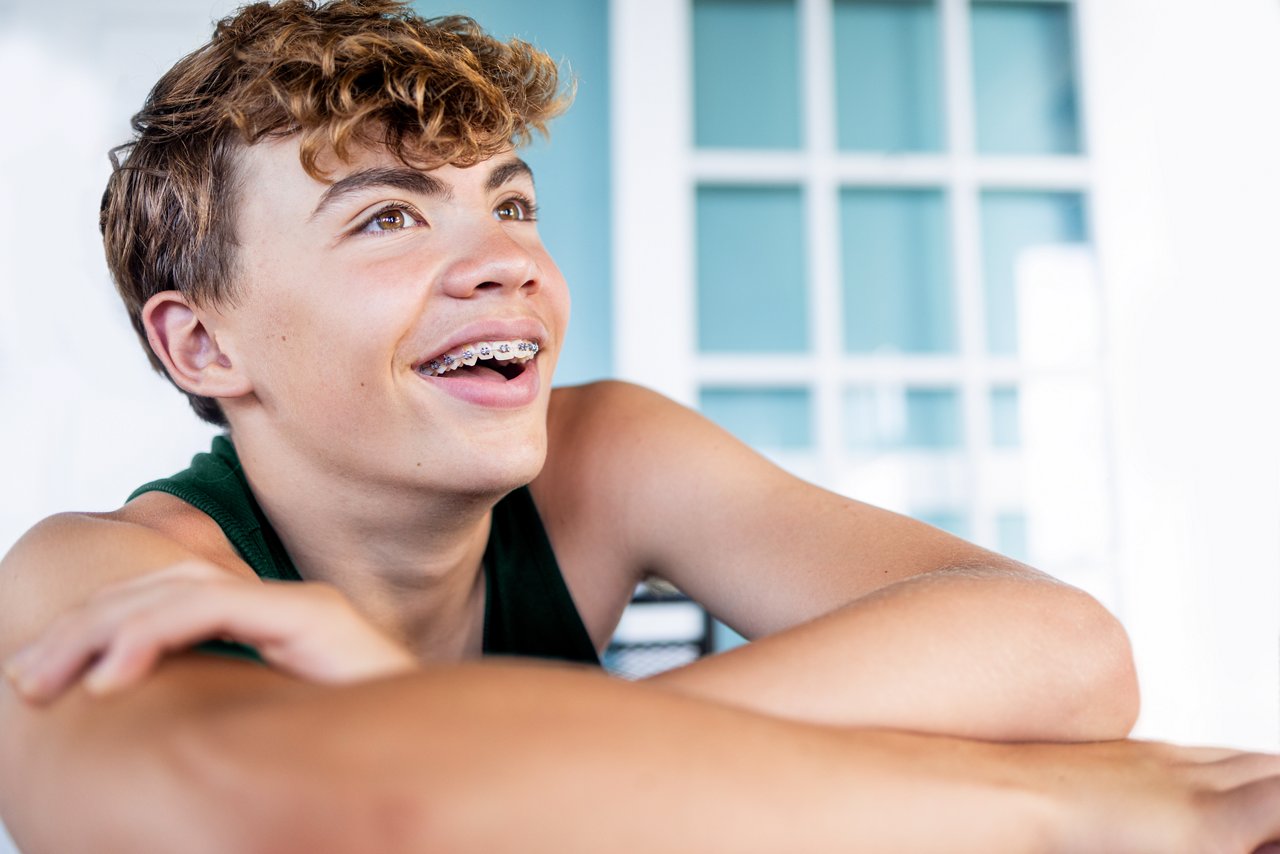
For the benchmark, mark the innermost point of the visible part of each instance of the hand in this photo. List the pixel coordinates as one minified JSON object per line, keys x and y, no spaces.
{"x":1134,"y":796}
{"x":309,"y":630}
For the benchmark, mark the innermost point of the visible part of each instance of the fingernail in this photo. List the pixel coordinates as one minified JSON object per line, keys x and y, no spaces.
{"x":99,"y":682}
{"x":15,"y":666}
{"x":18,"y":661}
{"x":23,"y":682}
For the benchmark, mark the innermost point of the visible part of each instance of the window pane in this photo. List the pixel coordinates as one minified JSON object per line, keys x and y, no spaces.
{"x":889,"y":419}
{"x":1005,"y":432}
{"x":1013,"y":222}
{"x":897,"y":282}
{"x":951,"y":521}
{"x":751,"y":270}
{"x":888,"y":81}
{"x":724,"y":638}
{"x":746,"y":85}
{"x":1024,"y":78}
{"x":767,"y":419}
{"x":1011,"y":535}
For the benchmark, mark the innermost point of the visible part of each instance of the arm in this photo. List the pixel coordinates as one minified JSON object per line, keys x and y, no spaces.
{"x":977,"y":653}
{"x":217,"y":755}
{"x":859,"y":616}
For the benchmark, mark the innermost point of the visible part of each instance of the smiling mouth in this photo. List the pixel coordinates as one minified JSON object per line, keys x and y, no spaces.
{"x":507,"y":359}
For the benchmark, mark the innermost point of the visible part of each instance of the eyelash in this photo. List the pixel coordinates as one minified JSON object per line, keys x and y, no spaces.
{"x":364,"y":227}
{"x":529,"y":205}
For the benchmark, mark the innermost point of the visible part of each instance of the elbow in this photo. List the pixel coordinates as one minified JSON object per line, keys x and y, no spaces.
{"x":1103,"y":682}
{"x":1117,"y":685}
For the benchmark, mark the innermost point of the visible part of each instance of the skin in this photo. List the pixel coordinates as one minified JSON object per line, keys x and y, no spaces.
{"x":872,"y":621}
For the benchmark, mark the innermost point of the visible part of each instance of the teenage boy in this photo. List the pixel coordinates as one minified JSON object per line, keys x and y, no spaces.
{"x":325,"y":237}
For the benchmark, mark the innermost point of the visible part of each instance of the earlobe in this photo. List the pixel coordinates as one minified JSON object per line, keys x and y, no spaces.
{"x":183,"y":341}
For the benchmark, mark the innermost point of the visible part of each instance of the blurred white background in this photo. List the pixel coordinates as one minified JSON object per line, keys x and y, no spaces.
{"x":1180,"y":289}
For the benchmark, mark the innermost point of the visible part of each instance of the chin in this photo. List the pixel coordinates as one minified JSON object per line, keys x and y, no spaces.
{"x":488,"y":471}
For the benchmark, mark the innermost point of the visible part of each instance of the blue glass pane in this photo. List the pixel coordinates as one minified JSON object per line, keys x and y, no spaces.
{"x":768,"y":419}
{"x":933,"y":418}
{"x":746,"y":83}
{"x":1011,"y":535}
{"x":897,"y":272}
{"x":724,"y":638}
{"x":951,"y":521}
{"x":751,"y":270}
{"x":1005,"y":432}
{"x":888,"y":80}
{"x":918,"y":418}
{"x":1011,"y":223}
{"x":1024,"y":78}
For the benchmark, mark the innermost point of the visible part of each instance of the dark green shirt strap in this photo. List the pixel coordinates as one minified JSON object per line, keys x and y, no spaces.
{"x":528,"y":608}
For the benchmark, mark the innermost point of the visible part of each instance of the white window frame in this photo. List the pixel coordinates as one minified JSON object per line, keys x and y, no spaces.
{"x":657,"y":171}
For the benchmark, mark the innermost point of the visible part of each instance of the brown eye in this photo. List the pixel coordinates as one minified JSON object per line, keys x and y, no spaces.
{"x":390,"y":220}
{"x":509,"y":210}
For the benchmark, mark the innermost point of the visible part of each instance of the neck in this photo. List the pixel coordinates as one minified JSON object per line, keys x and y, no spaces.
{"x":408,"y":558}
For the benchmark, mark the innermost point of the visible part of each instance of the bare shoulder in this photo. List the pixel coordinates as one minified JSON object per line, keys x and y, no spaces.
{"x":580,"y":499}
{"x":618,"y":441}
{"x":602,"y":438}
{"x":595,"y":405}
{"x":617,"y":421}
{"x":64,"y":559}
{"x":177,"y":520}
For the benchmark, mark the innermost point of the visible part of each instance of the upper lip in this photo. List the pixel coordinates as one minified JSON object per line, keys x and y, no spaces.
{"x":492,"y":329}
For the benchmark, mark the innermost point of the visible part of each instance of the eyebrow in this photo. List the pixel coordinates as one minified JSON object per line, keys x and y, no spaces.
{"x":400,"y":178}
{"x":412,"y":181}
{"x":507,"y":170}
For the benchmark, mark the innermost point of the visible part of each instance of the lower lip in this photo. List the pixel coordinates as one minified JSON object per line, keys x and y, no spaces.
{"x":492,"y":393}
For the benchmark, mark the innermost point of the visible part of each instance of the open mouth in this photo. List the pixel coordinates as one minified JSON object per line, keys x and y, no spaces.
{"x":489,"y":360}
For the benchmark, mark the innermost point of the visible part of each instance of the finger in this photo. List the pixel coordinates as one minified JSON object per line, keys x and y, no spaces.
{"x":58,"y":658}
{"x":1240,"y":769}
{"x":181,"y":616}
{"x":1179,"y":753}
{"x":125,"y":663}
{"x":1252,"y":812}
{"x":184,"y":612}
{"x":46,"y":667}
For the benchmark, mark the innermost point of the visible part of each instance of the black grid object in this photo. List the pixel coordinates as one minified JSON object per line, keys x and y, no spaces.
{"x":661,"y":629}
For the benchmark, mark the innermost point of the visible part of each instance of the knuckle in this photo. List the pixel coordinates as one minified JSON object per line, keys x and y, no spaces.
{"x":136,"y":631}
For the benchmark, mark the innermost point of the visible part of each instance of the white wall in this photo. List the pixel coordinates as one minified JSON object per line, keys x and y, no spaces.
{"x":1186,"y":132}
{"x":82,"y":419}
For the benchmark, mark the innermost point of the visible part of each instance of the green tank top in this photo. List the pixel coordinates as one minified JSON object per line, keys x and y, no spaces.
{"x":528,"y":609}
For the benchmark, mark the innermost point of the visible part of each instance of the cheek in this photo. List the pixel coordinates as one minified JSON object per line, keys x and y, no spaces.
{"x":556,"y":291}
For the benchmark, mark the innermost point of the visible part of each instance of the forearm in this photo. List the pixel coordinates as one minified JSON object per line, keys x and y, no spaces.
{"x":974,"y":653}
{"x":512,"y":757}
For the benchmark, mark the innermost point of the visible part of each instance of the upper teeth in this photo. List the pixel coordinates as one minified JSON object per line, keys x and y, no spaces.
{"x":516,"y":350}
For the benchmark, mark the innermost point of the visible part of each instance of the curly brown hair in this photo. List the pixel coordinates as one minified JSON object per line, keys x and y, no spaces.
{"x":340,"y":75}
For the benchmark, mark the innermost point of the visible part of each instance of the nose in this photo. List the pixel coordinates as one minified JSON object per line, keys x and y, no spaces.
{"x":491,"y":259}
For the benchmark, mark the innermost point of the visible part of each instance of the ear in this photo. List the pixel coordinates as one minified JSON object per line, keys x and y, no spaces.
{"x":183,"y":341}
